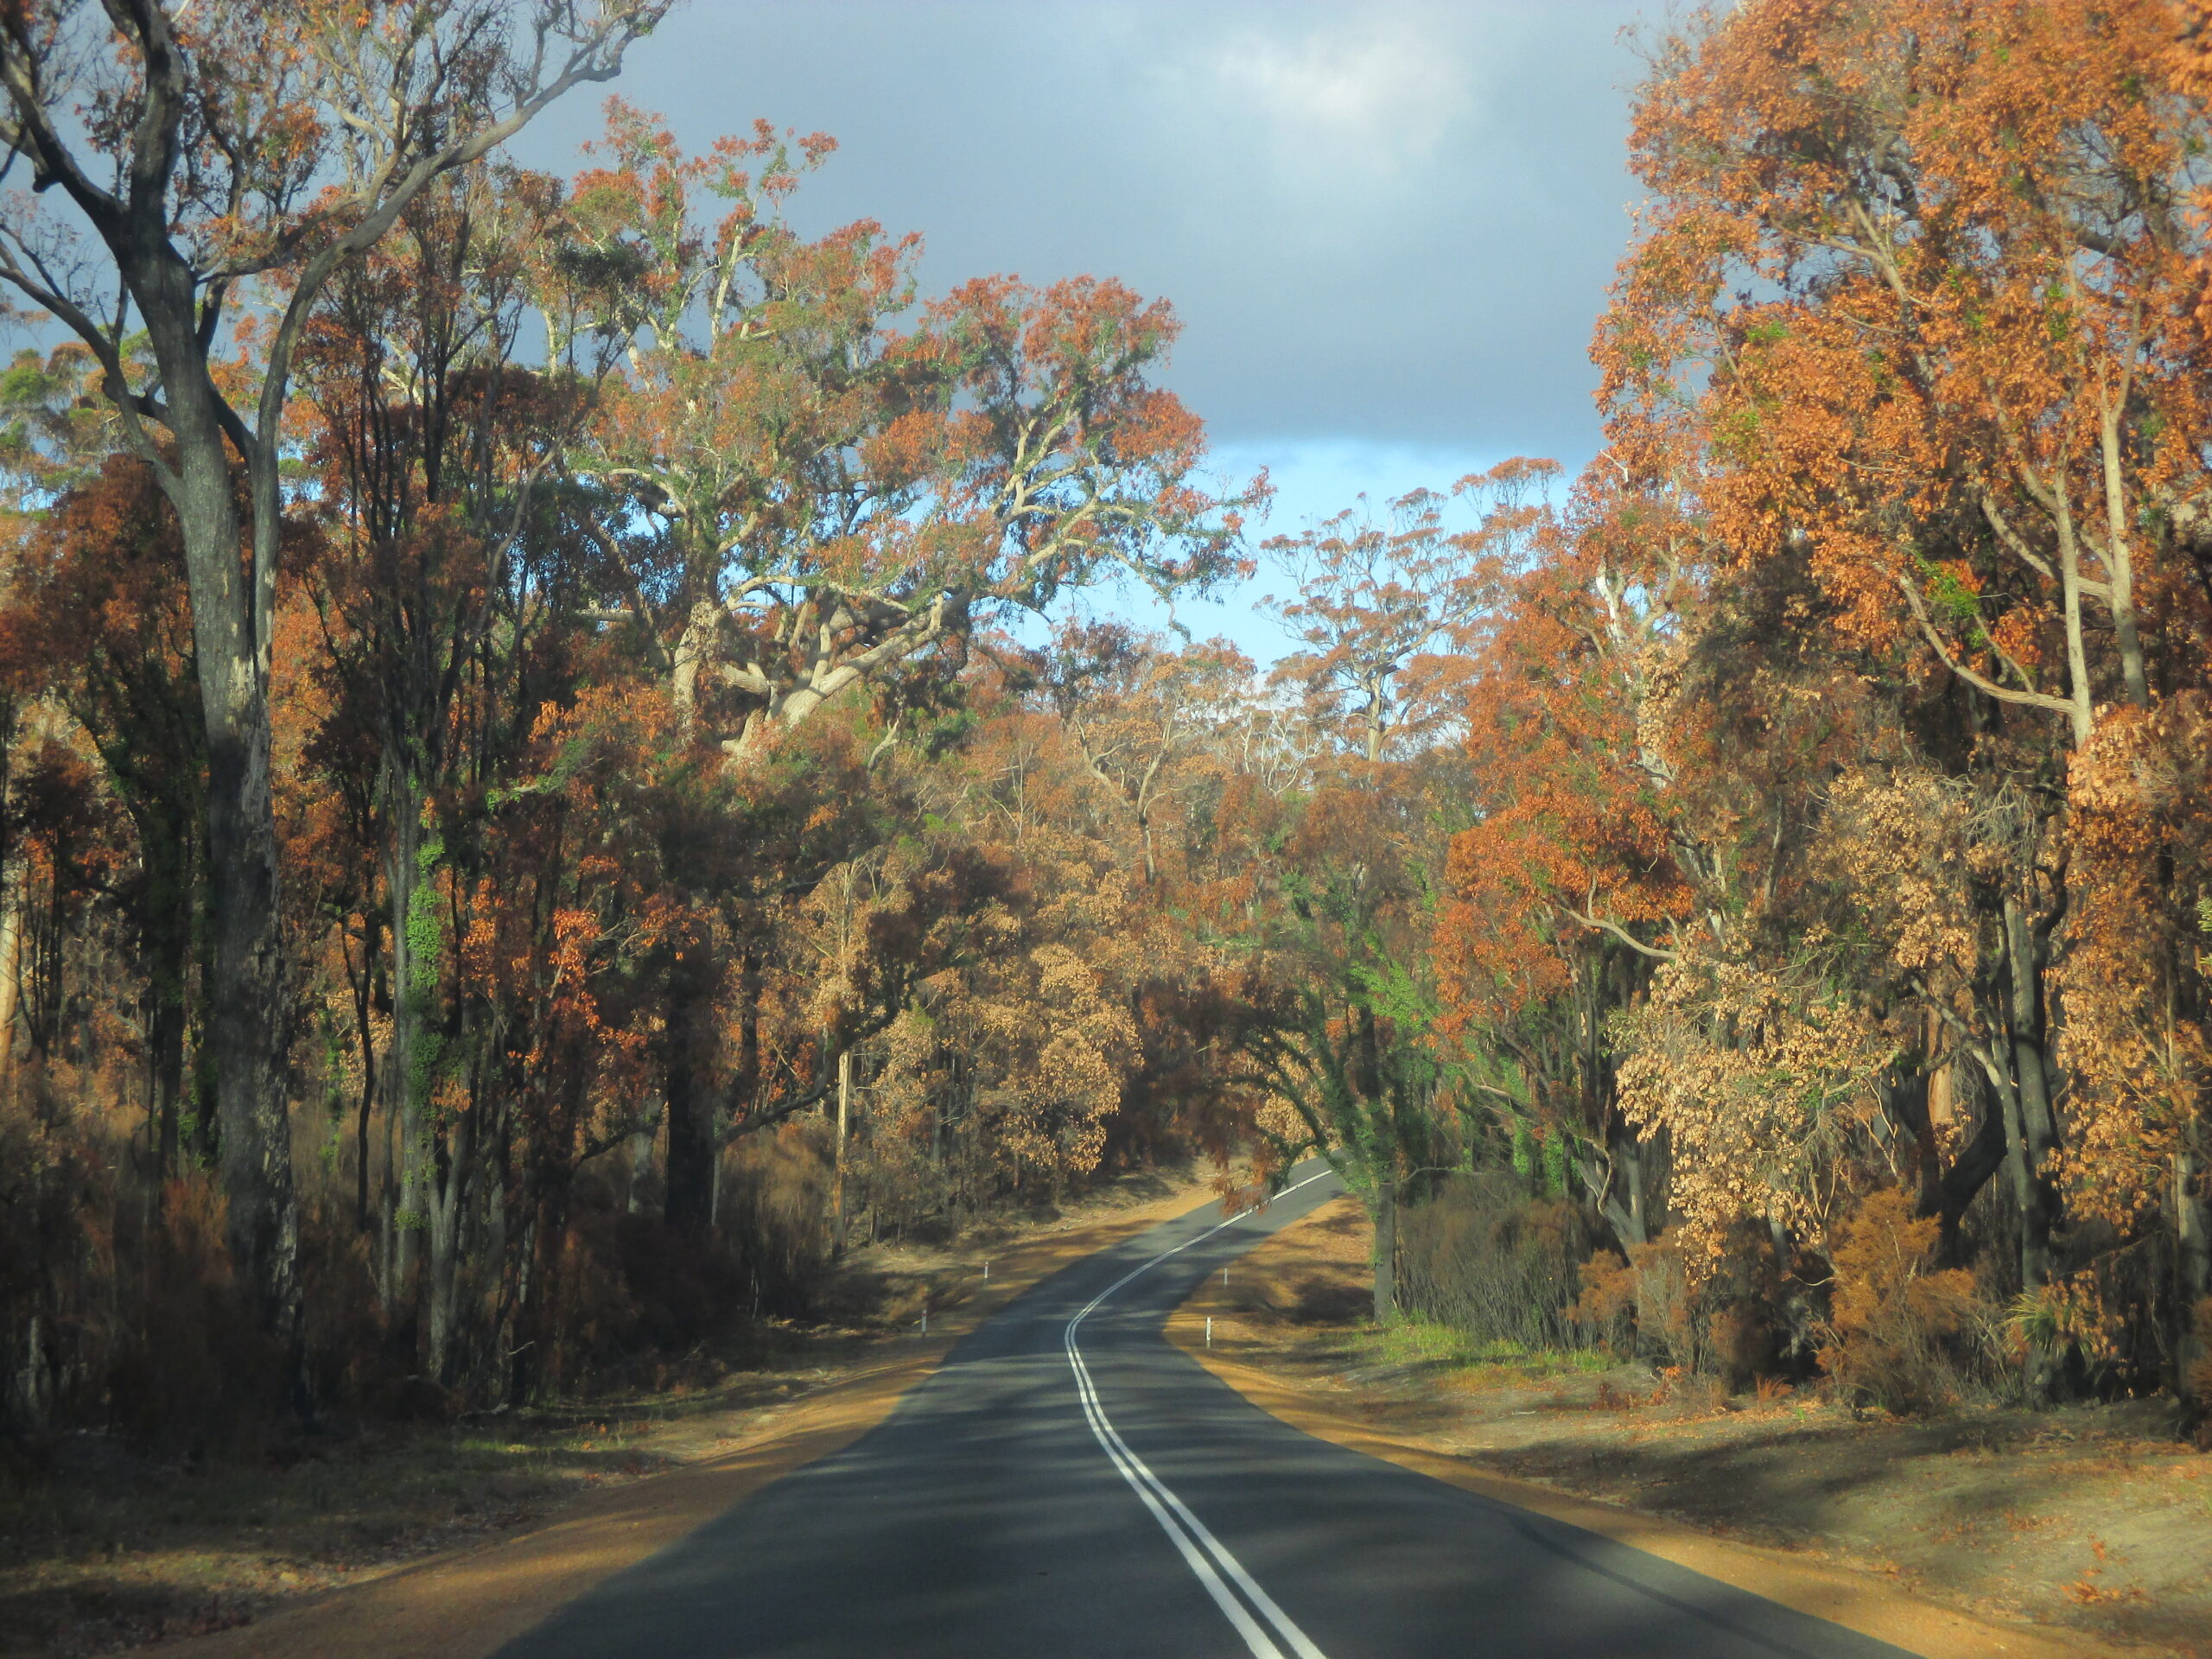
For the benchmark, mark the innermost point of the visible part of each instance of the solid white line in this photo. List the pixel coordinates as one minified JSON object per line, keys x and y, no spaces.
{"x":1173,"y":1515}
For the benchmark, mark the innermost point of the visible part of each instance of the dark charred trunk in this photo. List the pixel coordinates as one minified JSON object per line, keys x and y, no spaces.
{"x":687,"y":1083}
{"x":1978,"y":1162}
{"x":2036,"y":1133}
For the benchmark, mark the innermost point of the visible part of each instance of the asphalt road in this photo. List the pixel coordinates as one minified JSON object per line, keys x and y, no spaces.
{"x":1069,"y":1484}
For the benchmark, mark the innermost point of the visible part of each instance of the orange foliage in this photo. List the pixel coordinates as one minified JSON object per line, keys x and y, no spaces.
{"x":1894,"y":1315}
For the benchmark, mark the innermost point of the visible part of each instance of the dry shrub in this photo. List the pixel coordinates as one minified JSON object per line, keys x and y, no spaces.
{"x":1736,"y":1321}
{"x":118,"y":1312}
{"x":1646,"y":1305}
{"x":1482,"y":1256}
{"x":635,"y":1293}
{"x":775,"y":1213}
{"x":1900,"y":1334}
{"x":194,"y":1373}
{"x":52,"y":1270}
{"x":355,"y":1362}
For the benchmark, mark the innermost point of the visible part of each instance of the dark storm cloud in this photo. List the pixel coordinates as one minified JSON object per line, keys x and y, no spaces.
{"x":1382,"y":224}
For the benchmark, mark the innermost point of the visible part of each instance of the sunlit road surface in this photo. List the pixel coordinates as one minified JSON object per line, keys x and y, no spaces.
{"x":1054,"y":1492}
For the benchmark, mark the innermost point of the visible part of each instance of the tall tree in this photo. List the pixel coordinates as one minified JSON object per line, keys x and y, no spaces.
{"x":810,"y":501}
{"x":211,"y":149}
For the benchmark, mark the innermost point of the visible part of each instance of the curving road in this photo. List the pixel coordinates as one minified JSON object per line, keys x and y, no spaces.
{"x":1069,"y":1484}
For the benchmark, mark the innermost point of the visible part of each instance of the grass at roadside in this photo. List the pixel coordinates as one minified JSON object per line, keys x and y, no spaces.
{"x":1450,"y":1353}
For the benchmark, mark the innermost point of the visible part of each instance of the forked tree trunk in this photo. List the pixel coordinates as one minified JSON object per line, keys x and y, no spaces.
{"x":232,"y":611}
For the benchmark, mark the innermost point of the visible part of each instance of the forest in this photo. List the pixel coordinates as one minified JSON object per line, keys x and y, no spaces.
{"x":568,"y":752}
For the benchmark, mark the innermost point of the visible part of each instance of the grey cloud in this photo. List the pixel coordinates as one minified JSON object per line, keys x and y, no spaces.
{"x":1382,"y":223}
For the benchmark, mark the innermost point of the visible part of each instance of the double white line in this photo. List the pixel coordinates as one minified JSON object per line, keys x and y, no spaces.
{"x":1185,"y":1531}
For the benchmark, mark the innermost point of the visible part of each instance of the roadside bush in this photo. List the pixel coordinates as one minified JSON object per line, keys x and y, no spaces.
{"x":1740,"y":1319}
{"x":53,"y":1269}
{"x":1645,"y":1306}
{"x":1901,"y":1334}
{"x":775,"y":1214}
{"x":1483,"y":1257}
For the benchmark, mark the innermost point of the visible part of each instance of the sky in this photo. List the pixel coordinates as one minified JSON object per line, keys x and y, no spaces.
{"x":1387,"y":227}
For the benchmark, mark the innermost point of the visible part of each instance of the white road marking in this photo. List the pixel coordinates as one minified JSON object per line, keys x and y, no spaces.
{"x":1185,"y":1531}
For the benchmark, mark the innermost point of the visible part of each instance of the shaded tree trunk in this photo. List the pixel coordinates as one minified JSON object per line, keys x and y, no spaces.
{"x":232,"y":609}
{"x":2192,"y":1339}
{"x":165,"y":902}
{"x":1385,"y":1245}
{"x":2036,"y":1130}
{"x":453,"y":1170}
{"x":412,"y":1061}
{"x":688,"y":1199}
{"x":837,"y":1159}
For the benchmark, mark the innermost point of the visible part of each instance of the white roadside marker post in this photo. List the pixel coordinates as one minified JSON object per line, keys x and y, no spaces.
{"x":1209,"y":1330}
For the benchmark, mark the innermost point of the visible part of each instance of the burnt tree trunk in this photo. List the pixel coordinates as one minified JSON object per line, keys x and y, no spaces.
{"x":2036,"y":1128}
{"x":687,"y":1065}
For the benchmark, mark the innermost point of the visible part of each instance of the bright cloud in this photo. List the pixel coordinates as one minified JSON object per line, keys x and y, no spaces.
{"x":1385,"y":91}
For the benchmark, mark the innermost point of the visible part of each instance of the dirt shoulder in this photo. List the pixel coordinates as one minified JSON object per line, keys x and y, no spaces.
{"x":448,"y":1540}
{"x":2077,"y":1532}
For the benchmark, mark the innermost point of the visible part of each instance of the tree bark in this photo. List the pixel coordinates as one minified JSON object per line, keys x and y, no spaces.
{"x":410,"y":1063}
{"x":451,"y":1192}
{"x":1386,"y":1244}
{"x":233,"y":605}
{"x":2119,"y":559}
{"x":2192,"y":1343}
{"x":837,"y":1158}
{"x":165,"y":906}
{"x":1981,"y":1159}
{"x":11,"y":961}
{"x":2080,"y":704}
{"x":2038,"y":1130}
{"x":689,"y":1200}
{"x":693,"y":648}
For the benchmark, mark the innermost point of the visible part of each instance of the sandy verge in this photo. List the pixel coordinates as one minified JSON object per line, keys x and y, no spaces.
{"x":1314,"y":1267}
{"x":464,"y":1604}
